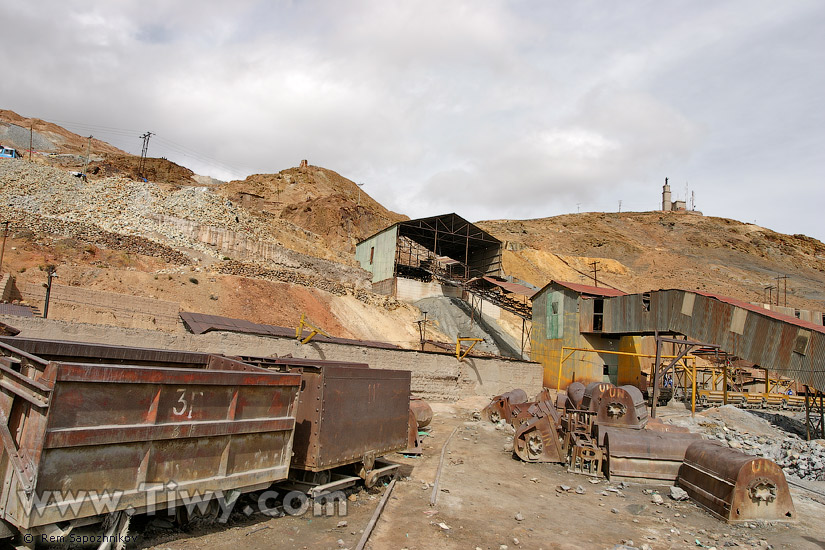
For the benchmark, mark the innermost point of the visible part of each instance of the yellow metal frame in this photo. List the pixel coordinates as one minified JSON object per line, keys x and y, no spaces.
{"x":313,"y":330}
{"x":458,"y":354}
{"x":572,"y":350}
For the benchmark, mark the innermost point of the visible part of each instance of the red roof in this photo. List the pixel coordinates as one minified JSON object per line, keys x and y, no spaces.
{"x":591,"y":290}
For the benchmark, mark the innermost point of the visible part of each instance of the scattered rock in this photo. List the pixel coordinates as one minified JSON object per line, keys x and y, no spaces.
{"x":677,"y":493}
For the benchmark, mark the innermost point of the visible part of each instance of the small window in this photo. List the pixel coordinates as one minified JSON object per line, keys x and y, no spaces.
{"x":801,"y":343}
{"x":646,"y":301}
{"x":554,"y":307}
{"x":372,"y":254}
{"x":605,"y":370}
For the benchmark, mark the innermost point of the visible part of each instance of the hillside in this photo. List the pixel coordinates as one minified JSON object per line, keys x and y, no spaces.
{"x":274,"y":246}
{"x":652,"y":250}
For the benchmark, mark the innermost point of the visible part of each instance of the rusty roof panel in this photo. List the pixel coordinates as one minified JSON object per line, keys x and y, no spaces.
{"x":200,"y":323}
{"x":587,"y":289}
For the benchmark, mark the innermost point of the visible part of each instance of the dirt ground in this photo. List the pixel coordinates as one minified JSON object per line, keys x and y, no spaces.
{"x":489,"y":500}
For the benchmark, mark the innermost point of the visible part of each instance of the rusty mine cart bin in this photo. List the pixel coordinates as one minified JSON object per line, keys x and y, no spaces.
{"x":77,"y":433}
{"x":734,"y":486}
{"x":348,"y":414}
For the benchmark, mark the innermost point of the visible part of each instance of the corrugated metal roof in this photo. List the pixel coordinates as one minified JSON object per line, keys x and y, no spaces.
{"x":762,"y":311}
{"x":14,"y":309}
{"x":515,"y":288}
{"x":201,"y":322}
{"x":587,"y":289}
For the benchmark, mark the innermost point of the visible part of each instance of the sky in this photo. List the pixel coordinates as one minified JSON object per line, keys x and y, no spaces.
{"x":490,"y":109}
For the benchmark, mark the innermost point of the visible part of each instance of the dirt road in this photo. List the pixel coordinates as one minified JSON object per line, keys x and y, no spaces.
{"x":489,"y":500}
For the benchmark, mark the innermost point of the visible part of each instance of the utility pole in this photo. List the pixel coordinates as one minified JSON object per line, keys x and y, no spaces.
{"x":785,"y":277}
{"x":3,"y":248}
{"x":422,"y":329}
{"x":769,"y":290}
{"x":51,"y":274}
{"x":578,"y":208}
{"x":88,"y":154}
{"x":595,"y":271}
{"x":31,"y":140}
{"x":145,"y":137}
{"x":620,"y":206}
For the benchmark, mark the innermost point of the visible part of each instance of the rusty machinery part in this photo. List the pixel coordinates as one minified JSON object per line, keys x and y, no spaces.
{"x":500,"y":406}
{"x":538,"y":441}
{"x":575,"y":394}
{"x":643,"y":455}
{"x":622,"y":406}
{"x":734,"y":486}
{"x":544,"y":395}
{"x":592,"y":393}
{"x":516,"y":396}
{"x":413,"y":439}
{"x":538,"y":410}
{"x":586,"y":458}
{"x":656,"y":425}
{"x":518,"y":409}
{"x":422,"y":411}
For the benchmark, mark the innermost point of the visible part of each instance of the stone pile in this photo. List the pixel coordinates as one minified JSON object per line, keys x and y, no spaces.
{"x":797,"y":457}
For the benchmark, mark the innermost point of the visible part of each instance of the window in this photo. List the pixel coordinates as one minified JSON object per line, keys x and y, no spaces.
{"x":646,"y":301}
{"x":372,"y":254}
{"x":598,"y":314}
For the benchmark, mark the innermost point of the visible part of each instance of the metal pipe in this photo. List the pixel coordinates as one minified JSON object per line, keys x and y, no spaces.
{"x":693,"y":393}
{"x":725,"y":382}
{"x":434,"y":496}
{"x":656,"y":375}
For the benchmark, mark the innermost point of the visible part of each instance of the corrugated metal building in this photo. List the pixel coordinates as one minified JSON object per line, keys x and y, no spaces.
{"x":448,"y":245}
{"x":780,"y":343}
{"x":558,"y":310}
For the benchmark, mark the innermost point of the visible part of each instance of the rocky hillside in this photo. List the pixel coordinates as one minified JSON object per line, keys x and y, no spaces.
{"x":272,"y":246}
{"x":652,"y":250}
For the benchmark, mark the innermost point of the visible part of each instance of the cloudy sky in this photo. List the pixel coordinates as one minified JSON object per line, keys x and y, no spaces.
{"x":490,"y":109}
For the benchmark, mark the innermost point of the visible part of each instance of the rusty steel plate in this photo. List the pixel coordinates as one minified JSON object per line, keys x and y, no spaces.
{"x":643,"y":455}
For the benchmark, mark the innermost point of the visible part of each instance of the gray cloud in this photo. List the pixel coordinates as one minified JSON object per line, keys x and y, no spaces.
{"x":487,"y":108}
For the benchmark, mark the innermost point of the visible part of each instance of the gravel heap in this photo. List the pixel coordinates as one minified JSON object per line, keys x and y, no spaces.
{"x":119,"y":205}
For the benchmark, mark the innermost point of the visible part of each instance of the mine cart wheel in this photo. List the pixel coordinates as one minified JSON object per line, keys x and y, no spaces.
{"x":197,"y":516}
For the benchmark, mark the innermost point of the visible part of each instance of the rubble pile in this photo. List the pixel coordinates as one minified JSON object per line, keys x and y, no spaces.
{"x":798,"y":458}
{"x":134,"y":244}
{"x":119,"y":205}
{"x":748,"y":432}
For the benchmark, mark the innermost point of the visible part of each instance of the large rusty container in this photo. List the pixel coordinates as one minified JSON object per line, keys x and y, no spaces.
{"x":347,"y":413}
{"x":622,"y":406}
{"x":643,"y":455}
{"x":734,"y":486}
{"x":147,"y":436}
